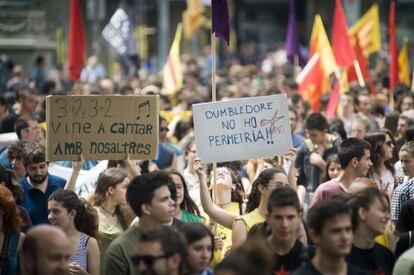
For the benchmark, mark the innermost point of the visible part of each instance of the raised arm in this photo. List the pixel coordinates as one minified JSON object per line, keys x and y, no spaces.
{"x":215,"y":213}
{"x":76,"y":167}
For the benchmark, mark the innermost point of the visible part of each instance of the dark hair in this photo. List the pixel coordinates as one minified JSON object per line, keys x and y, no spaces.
{"x":337,"y":125}
{"x":16,"y":150}
{"x":188,"y":204}
{"x":331,"y":159}
{"x":409,"y":133}
{"x":352,"y":148}
{"x":281,"y":197}
{"x":86,"y":219}
{"x":34,"y":152}
{"x":8,"y":178}
{"x":196,"y":231}
{"x":21,"y":124}
{"x":171,"y":242}
{"x":263,"y":179}
{"x":377,"y":140}
{"x":12,"y":222}
{"x":364,"y":199}
{"x":141,"y":189}
{"x":405,"y":95}
{"x":323,"y":211}
{"x":109,"y":178}
{"x":391,"y":122}
{"x":237,"y":194}
{"x":238,"y":263}
{"x":316,"y":121}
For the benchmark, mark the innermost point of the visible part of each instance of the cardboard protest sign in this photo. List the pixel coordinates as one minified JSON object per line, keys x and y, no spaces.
{"x":102,"y":127}
{"x":242,"y":128}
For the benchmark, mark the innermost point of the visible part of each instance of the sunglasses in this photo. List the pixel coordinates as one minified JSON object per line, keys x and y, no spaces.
{"x":148,"y":260}
{"x":164,"y":129}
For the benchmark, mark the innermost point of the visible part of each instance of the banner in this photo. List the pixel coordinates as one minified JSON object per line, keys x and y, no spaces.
{"x":102,"y":127}
{"x":242,"y":128}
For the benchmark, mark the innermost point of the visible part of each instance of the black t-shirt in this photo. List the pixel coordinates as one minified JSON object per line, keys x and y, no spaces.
{"x":309,"y":269}
{"x":296,"y":257}
{"x":379,"y":260}
{"x":7,"y":124}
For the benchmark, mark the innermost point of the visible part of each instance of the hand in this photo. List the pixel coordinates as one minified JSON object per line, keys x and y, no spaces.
{"x":316,"y":159}
{"x":77,"y":164}
{"x":291,"y":155}
{"x":218,"y":243}
{"x":75,"y":269}
{"x":199,"y":168}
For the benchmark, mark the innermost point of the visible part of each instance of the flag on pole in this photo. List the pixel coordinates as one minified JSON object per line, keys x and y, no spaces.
{"x":341,"y":44}
{"x":192,"y":18}
{"x":172,"y":74}
{"x":363,"y":64}
{"x":119,"y":33}
{"x":310,"y":82}
{"x":404,"y":65}
{"x":393,"y":76}
{"x":333,"y":102}
{"x":77,"y":42}
{"x":292,"y":45}
{"x":319,"y":43}
{"x":367,"y":29}
{"x":220,"y":20}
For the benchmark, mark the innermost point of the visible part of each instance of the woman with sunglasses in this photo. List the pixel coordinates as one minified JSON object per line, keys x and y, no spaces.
{"x":200,"y":247}
{"x":382,"y":154}
{"x":78,"y":219}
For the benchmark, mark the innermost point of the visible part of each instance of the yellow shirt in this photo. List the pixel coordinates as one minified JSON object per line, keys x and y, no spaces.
{"x":252,"y":218}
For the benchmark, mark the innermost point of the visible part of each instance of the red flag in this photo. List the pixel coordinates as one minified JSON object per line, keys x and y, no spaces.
{"x":393,"y":48}
{"x":333,"y":102}
{"x":341,"y":44}
{"x":77,"y":41}
{"x":310,"y":82}
{"x":363,"y":64}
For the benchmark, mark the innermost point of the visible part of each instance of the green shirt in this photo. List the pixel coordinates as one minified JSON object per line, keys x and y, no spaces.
{"x":188,"y":217}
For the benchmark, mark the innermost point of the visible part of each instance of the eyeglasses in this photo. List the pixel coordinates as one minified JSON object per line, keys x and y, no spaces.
{"x":164,"y":129}
{"x":148,"y":259}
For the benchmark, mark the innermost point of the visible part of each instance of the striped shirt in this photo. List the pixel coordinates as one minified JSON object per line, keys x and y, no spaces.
{"x":81,"y":255}
{"x":402,"y":193}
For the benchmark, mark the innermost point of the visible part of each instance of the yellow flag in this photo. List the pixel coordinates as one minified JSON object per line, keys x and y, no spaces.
{"x":192,"y":18}
{"x":367,"y":29}
{"x":319,"y":43}
{"x":172,"y":74}
{"x":404,"y":65}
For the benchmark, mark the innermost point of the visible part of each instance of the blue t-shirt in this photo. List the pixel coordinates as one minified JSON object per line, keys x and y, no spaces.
{"x":35,"y":201}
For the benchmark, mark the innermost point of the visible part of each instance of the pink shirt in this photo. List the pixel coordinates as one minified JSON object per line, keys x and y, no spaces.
{"x":326,"y":191}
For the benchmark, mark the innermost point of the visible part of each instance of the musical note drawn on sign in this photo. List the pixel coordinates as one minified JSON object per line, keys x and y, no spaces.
{"x":145,"y":106}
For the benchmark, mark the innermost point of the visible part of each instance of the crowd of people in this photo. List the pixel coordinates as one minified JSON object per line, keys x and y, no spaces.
{"x":339,"y":202}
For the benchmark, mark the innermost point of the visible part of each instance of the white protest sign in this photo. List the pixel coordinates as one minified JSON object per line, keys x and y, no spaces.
{"x":242,"y":128}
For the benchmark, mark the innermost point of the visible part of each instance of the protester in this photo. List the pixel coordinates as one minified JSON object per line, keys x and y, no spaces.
{"x":150,"y":198}
{"x":284,"y":219}
{"x":330,"y":229}
{"x":78,"y":219}
{"x":45,"y":250}
{"x":312,"y":155}
{"x":200,"y":247}
{"x":10,"y":233}
{"x":185,"y":208}
{"x":109,"y":196}
{"x":370,"y":214}
{"x":38,"y":184}
{"x":161,"y":251}
{"x":333,"y":168}
{"x":354,"y":157}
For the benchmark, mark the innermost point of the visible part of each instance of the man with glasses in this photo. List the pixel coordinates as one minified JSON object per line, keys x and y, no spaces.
{"x":38,"y":184}
{"x":161,"y":251}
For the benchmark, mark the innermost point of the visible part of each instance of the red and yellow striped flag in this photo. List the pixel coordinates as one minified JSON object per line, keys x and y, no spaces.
{"x":172,"y":74}
{"x":367,"y":29}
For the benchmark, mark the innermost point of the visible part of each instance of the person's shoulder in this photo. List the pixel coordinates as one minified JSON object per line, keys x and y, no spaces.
{"x":57,"y":180}
{"x":383,"y":250}
{"x":127,"y":236}
{"x":306,"y":269}
{"x":353,"y":270}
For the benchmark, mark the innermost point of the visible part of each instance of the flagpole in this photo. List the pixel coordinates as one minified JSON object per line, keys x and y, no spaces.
{"x":213,"y":98}
{"x":359,"y":73}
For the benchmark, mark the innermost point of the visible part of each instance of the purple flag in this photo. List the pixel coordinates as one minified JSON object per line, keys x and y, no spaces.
{"x":220,"y":20}
{"x":292,"y":41}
